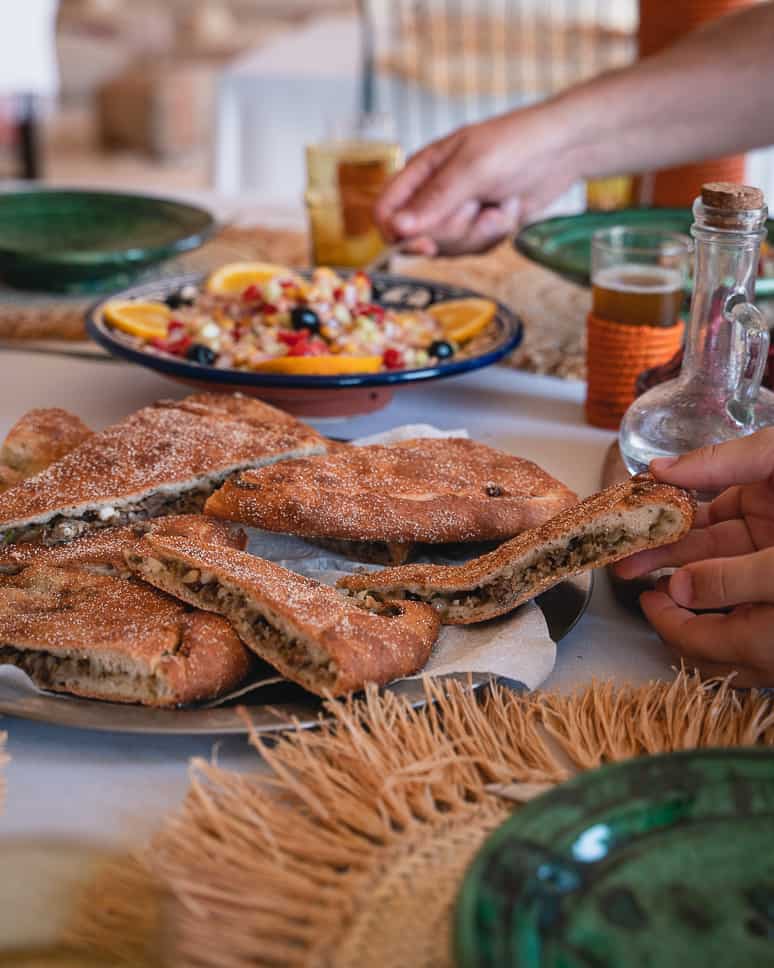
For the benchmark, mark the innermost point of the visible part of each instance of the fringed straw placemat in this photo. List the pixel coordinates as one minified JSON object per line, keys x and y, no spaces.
{"x":352,"y":849}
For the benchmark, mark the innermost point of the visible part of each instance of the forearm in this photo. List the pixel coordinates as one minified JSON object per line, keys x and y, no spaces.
{"x":709,"y":95}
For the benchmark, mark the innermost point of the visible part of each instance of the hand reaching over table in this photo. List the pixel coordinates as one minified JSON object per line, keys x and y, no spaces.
{"x":725,"y":563}
{"x":466,"y":191}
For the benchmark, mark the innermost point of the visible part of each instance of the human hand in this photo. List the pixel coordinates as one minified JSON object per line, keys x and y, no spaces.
{"x":467,"y":191}
{"x":725,"y":562}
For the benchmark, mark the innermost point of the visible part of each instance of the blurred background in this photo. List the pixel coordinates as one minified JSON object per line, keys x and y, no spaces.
{"x":224,"y":95}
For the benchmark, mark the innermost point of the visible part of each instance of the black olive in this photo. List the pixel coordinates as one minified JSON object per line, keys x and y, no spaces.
{"x":494,"y":490}
{"x":201,"y":354}
{"x":441,"y":350}
{"x":181,"y":297}
{"x":302,"y":317}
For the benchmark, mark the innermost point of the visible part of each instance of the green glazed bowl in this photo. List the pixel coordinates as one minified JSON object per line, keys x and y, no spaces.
{"x":563,"y":243}
{"x":661,"y":861}
{"x":83,"y":241}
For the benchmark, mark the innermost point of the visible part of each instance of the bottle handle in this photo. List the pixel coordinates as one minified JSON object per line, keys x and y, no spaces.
{"x":754,"y":334}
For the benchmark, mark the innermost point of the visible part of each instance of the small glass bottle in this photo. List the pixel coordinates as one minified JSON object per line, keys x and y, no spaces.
{"x":718,"y":394}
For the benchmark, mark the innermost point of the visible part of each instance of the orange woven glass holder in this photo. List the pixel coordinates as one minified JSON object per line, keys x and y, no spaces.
{"x":616,"y":354}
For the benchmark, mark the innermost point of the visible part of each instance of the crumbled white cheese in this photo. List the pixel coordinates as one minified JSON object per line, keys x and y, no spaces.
{"x":210,"y":331}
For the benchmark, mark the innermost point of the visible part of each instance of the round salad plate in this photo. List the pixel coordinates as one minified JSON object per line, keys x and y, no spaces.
{"x":563,"y":243}
{"x":660,"y":860}
{"x":84,"y":241}
{"x":321,"y":396}
{"x":272,"y":709}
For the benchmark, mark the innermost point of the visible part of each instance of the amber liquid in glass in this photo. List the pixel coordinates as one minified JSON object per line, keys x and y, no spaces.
{"x":640,"y":295}
{"x":344,"y":180}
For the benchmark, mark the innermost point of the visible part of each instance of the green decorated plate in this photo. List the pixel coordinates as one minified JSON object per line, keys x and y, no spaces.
{"x":563,"y":244}
{"x":662,"y":861}
{"x":83,"y":241}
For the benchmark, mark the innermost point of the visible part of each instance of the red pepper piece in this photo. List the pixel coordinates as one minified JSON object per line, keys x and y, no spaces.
{"x":392,"y":359}
{"x":291,"y":337}
{"x":176,"y":347}
{"x":252,"y":293}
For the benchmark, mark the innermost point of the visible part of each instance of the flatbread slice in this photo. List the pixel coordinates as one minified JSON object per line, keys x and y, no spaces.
{"x":375,"y":502}
{"x":103,"y":552}
{"x":164,"y":459}
{"x":36,"y":440}
{"x":306,"y":630}
{"x":613,"y":524}
{"x":117,"y":639}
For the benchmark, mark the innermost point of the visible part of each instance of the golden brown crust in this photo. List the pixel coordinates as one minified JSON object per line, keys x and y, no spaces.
{"x":68,"y":612}
{"x":457,"y":580}
{"x":105,"y":550}
{"x":9,"y":477}
{"x":430,"y":490}
{"x":41,"y":437}
{"x":166,"y":445}
{"x":362,"y":646}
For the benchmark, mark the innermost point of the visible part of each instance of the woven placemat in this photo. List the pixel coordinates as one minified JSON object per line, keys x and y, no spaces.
{"x":552,"y":309}
{"x":352,"y":849}
{"x":38,"y":316}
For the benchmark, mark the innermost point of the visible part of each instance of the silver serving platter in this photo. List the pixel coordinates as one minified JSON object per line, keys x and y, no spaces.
{"x":269,"y":710}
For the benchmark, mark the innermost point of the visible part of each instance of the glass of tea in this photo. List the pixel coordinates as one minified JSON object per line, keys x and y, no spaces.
{"x":638,"y":276}
{"x":345,"y":175}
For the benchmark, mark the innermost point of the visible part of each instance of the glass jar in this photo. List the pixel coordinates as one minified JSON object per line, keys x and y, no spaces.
{"x":717,"y":395}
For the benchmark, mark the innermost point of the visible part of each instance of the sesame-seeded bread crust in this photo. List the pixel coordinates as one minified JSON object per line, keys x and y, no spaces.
{"x":360,"y":646}
{"x":167,"y":447}
{"x":433,"y":490}
{"x":169,"y":654}
{"x":105,"y":550}
{"x":605,"y":510}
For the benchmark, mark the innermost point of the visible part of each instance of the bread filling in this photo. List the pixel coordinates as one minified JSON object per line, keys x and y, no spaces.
{"x":167,"y":499}
{"x":276,"y":645}
{"x":375,"y":552}
{"x":554,"y":562}
{"x":87,"y":675}
{"x":63,"y":527}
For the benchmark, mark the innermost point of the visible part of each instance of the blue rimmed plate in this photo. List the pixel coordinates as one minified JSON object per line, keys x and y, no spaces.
{"x":321,"y":396}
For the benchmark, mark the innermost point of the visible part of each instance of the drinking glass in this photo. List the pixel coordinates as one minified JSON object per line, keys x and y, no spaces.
{"x":638,"y":276}
{"x":345,"y":175}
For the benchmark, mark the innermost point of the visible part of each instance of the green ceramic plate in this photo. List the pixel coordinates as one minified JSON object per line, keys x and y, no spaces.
{"x":564,"y":243}
{"x":65,"y":241}
{"x":663,"y":861}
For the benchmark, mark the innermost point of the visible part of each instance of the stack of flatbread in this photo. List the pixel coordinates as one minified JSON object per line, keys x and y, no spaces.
{"x":124,"y":575}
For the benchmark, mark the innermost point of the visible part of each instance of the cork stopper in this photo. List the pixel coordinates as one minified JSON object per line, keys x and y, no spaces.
{"x":730,"y":197}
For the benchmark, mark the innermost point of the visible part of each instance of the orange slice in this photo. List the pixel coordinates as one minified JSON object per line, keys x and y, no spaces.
{"x":147,"y":320}
{"x":462,"y":319}
{"x":235,"y":277}
{"x":327,"y":365}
